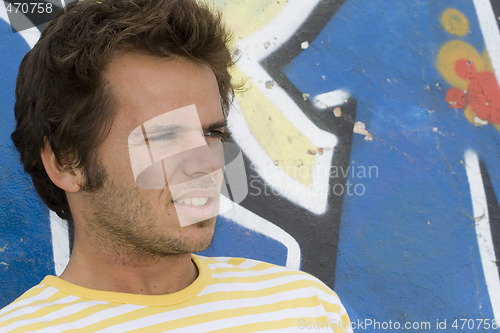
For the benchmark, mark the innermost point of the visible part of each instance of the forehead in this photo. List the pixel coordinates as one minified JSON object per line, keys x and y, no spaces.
{"x":146,"y":87}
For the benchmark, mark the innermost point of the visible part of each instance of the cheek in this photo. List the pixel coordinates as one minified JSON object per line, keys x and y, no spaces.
{"x":117,"y":161}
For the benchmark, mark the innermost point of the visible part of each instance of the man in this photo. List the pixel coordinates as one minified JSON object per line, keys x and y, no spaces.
{"x":120,"y":111}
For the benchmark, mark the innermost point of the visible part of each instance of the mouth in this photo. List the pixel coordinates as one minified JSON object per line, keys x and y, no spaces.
{"x":197,"y":200}
{"x":197,"y":197}
{"x":194,"y":201}
{"x":196,"y":209}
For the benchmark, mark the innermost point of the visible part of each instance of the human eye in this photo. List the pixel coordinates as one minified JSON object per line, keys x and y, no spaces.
{"x":217,"y":134}
{"x":165,"y":137}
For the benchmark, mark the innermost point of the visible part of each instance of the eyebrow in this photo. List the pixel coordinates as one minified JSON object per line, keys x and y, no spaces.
{"x":217,"y":125}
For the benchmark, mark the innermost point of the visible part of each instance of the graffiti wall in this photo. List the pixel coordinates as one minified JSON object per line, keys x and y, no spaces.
{"x":370,"y":133}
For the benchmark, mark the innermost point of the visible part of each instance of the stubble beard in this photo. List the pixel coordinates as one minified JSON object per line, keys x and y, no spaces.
{"x":124,"y":222}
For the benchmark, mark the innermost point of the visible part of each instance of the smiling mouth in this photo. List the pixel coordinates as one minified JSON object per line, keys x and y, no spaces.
{"x":198,"y":199}
{"x":194,"y":201}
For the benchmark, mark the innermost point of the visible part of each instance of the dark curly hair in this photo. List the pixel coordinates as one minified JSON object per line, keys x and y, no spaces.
{"x":61,"y":98}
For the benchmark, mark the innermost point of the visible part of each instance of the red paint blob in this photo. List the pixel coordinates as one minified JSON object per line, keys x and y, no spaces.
{"x":482,"y":95}
{"x":456,"y":98}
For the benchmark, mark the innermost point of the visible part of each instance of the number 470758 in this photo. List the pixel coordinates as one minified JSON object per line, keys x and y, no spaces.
{"x":29,"y":8}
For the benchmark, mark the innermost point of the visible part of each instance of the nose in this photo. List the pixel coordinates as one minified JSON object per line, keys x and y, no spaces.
{"x":198,"y":162}
{"x":192,"y":163}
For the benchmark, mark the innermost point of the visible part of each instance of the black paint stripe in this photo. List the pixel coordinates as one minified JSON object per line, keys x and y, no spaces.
{"x":496,"y":10}
{"x":493,"y":211}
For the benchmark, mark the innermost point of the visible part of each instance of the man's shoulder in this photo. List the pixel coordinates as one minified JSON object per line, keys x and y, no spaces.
{"x":34,"y":293}
{"x":241,"y":270}
{"x":291,"y":289}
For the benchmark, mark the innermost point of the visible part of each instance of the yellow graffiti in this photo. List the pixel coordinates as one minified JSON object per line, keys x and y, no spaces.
{"x":448,"y":56}
{"x":455,"y":22}
{"x":244,"y":17}
{"x":451,"y":53}
{"x":277,"y":136}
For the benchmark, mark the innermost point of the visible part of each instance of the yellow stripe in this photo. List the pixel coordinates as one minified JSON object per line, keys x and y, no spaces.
{"x":236,"y":261}
{"x":226,"y":314}
{"x":258,"y":278}
{"x":28,"y":294}
{"x":47,"y":303}
{"x":66,"y":319}
{"x":256,"y":268}
{"x":35,"y":291}
{"x":204,"y":299}
{"x":345,"y":318}
{"x":249,"y":294}
{"x":122,"y":318}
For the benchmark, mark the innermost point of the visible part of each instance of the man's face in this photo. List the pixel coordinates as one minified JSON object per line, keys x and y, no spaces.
{"x":163,"y":201}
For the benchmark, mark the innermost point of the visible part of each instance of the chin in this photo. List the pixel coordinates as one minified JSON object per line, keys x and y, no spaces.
{"x":200,"y":234}
{"x":205,"y":223}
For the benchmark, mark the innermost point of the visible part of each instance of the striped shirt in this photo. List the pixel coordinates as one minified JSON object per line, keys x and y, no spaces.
{"x":229,"y":295}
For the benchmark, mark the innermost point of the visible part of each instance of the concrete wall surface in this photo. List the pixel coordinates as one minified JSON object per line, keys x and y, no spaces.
{"x":370,"y":132}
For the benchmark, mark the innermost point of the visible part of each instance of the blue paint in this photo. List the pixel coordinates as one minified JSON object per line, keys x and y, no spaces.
{"x":25,"y":247}
{"x":233,"y":240}
{"x":408,"y":248}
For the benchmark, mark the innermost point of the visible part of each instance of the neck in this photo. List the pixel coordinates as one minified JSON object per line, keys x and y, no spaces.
{"x":119,"y":269}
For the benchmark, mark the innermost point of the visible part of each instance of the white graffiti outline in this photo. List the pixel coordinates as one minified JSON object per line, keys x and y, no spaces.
{"x":240,"y":215}
{"x":277,"y":32}
{"x":60,"y":242}
{"x":483,"y":230}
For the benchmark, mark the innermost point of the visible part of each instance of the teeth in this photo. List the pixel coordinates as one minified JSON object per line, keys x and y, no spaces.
{"x":193,"y":201}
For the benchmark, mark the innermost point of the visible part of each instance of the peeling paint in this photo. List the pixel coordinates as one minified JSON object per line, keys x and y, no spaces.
{"x":360,"y":128}
{"x":337,"y":112}
{"x":270,"y":84}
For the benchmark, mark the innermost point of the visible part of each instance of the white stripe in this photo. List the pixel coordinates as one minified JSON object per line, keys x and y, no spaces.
{"x":220,"y":265}
{"x":249,"y":263}
{"x":483,"y":231}
{"x":248,"y":273}
{"x":29,"y":300}
{"x":241,"y":286}
{"x":489,"y":28}
{"x":26,"y":302}
{"x":32,"y":309}
{"x":60,"y":242}
{"x":251,"y":319}
{"x":92,"y":319}
{"x":220,"y":259}
{"x":213,"y":307}
{"x":249,"y":220}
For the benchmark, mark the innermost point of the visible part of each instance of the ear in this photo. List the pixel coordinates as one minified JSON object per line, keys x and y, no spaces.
{"x":63,"y":176}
